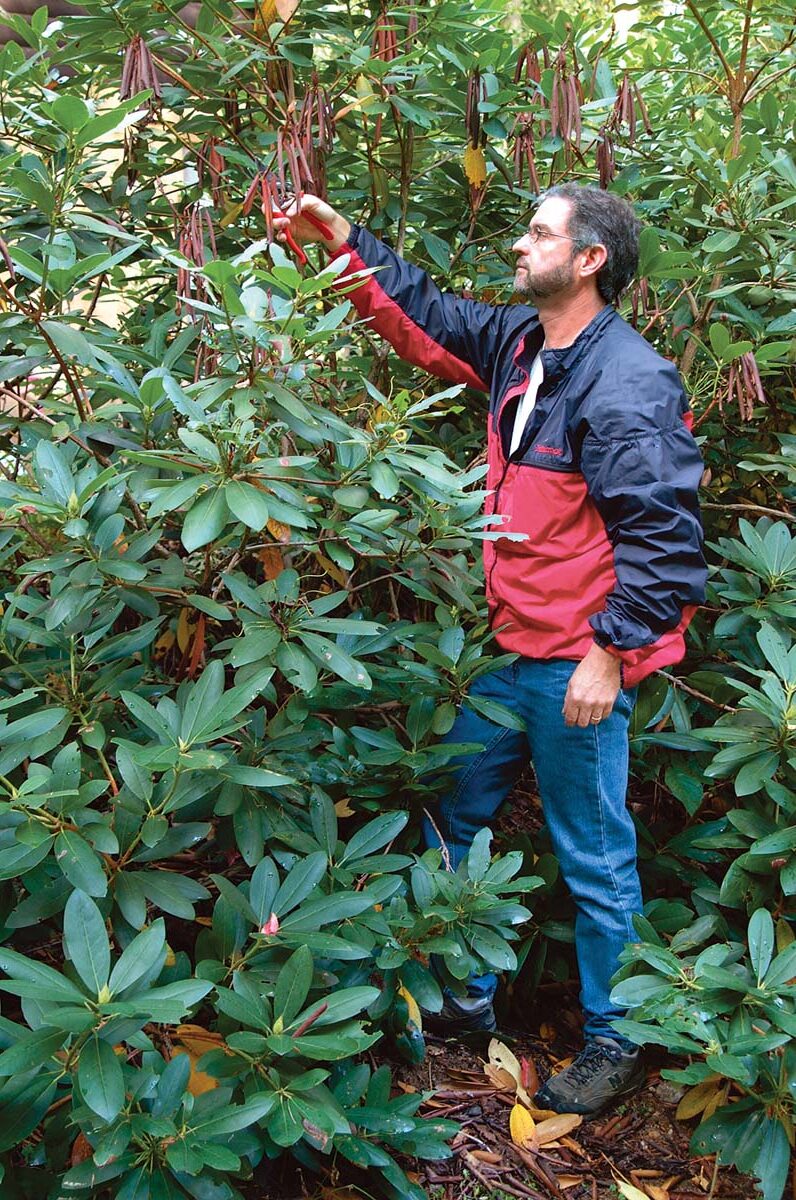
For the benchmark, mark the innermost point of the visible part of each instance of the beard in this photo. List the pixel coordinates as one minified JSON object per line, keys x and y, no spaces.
{"x":541,"y":285}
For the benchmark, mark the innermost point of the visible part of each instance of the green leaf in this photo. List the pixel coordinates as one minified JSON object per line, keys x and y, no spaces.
{"x":293,"y":985}
{"x":330,"y":655}
{"x":478,"y":856}
{"x":202,"y":700}
{"x":51,"y":983}
{"x":31,"y":1051}
{"x":80,"y":864}
{"x":495,"y":712}
{"x":303,"y":877}
{"x":204,"y":522}
{"x":22,"y":1111}
{"x":70,"y":112}
{"x":240,"y":1116}
{"x":139,"y":957}
{"x":53,"y":473}
{"x":86,"y":941}
{"x":248,"y":504}
{"x":99,"y":1074}
{"x":761,"y":941}
{"x":263,"y":889}
{"x":374,"y":835}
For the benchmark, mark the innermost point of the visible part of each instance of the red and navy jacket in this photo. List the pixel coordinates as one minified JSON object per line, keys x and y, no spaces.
{"x":603,"y":485}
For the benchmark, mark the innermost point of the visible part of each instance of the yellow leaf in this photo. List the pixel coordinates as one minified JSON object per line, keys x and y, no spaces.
{"x":568,"y":1181}
{"x":521,"y":1126}
{"x":555,"y":1127}
{"x":785,"y":934}
{"x":278,"y":531}
{"x":630,"y":1192}
{"x":412,"y":1006}
{"x":343,"y":808}
{"x":230,"y":215}
{"x":195,"y":1041}
{"x":718,"y":1098}
{"x":501,"y":1056}
{"x":337,"y":574}
{"x":695,"y":1099}
{"x":184,"y":630}
{"x":475,"y":166}
{"x":164,"y":643}
{"x":268,"y":11}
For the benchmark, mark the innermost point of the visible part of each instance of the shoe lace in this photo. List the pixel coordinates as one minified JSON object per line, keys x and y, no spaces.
{"x":590,"y":1062}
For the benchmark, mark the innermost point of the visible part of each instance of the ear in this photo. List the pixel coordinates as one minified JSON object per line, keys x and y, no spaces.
{"x":592,"y":260}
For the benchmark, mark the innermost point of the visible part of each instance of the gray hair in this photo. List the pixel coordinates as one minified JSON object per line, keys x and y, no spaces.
{"x":601,"y":218}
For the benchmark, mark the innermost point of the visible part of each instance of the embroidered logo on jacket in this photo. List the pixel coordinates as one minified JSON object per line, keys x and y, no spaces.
{"x":538,"y":449}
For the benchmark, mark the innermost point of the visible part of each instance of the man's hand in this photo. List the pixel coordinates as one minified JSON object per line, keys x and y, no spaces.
{"x":304,"y":231}
{"x":593,"y":688}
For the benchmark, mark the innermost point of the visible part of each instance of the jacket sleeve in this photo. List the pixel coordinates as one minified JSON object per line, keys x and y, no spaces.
{"x":452,"y":338}
{"x":642,"y":468}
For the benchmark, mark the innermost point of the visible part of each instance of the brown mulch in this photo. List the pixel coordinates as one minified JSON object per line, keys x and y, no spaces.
{"x":638,"y":1143}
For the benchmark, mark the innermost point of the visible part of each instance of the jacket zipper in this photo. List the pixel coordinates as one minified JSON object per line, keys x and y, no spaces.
{"x":506,"y":459}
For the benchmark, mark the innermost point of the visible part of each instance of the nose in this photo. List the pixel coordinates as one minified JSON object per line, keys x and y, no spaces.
{"x":522,"y":245}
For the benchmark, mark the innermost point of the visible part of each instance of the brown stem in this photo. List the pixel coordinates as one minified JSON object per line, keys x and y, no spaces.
{"x":700,"y":20}
{"x":758,"y":508}
{"x":684,"y":687}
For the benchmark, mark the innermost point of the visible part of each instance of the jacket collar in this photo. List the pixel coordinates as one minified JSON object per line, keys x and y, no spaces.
{"x":557,"y":362}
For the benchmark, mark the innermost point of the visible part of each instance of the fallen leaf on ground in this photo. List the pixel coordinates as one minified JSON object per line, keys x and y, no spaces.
{"x":529,"y":1077}
{"x":568,"y":1181}
{"x":504,"y":1063}
{"x":499,"y":1077}
{"x":554,"y":1128}
{"x":521,"y":1126}
{"x":630,"y":1192}
{"x":697,"y":1099}
{"x":486,"y":1156}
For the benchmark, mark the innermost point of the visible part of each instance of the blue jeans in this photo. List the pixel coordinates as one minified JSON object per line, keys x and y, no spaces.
{"x":582,"y":778}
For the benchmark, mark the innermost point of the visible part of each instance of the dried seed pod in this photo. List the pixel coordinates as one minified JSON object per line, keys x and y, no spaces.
{"x":138,"y":72}
{"x":7,"y":259}
{"x":476,"y":92}
{"x":606,"y":162}
{"x":525,"y":151}
{"x":527,"y":68}
{"x":210,"y":166}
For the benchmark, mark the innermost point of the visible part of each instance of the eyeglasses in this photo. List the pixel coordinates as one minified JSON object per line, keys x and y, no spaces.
{"x":538,"y":233}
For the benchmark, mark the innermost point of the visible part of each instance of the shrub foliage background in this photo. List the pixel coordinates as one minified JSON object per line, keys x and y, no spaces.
{"x":241,"y":582}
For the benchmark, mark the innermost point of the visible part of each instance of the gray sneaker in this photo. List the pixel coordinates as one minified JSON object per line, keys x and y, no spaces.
{"x":462,"y":1014}
{"x":603,"y":1072}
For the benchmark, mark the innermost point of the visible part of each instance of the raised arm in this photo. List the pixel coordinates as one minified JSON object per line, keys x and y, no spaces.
{"x":455,"y":339}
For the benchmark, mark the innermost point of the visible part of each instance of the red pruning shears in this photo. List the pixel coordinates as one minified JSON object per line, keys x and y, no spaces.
{"x":293,"y":245}
{"x":271,"y":207}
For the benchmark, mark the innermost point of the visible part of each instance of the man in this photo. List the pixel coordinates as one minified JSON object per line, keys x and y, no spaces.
{"x":591,"y":457}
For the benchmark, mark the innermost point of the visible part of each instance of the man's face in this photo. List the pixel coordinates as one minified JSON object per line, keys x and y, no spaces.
{"x":545,"y":266}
